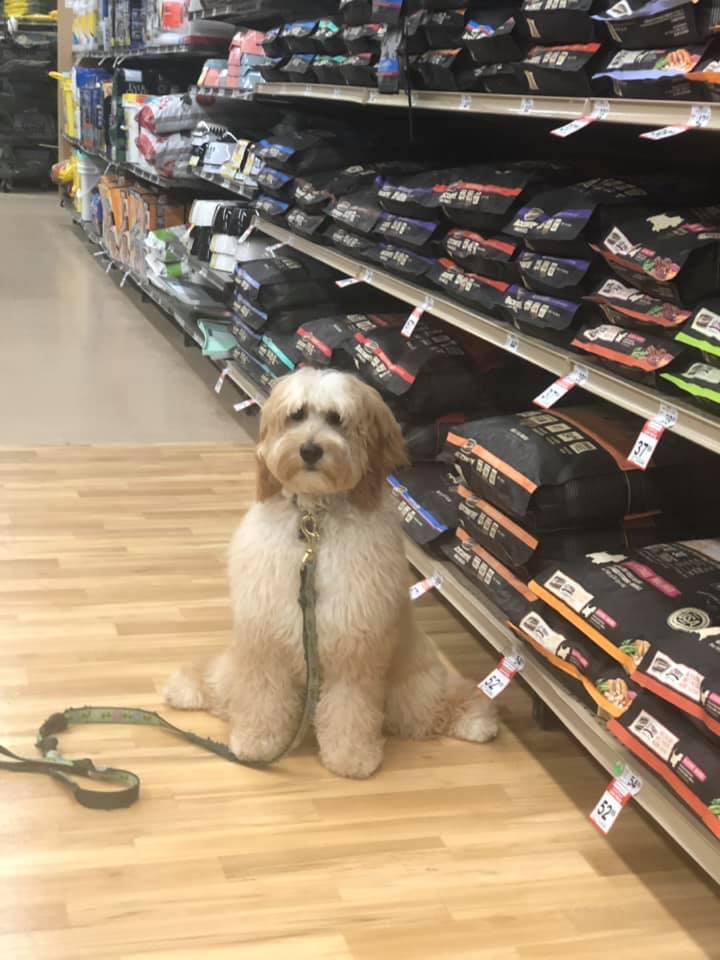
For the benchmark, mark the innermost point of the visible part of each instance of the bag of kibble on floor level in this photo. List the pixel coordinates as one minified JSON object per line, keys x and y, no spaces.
{"x":675,"y":750}
{"x":567,"y":650}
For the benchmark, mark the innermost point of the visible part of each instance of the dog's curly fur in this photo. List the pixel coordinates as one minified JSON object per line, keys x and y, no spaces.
{"x":381,"y":674}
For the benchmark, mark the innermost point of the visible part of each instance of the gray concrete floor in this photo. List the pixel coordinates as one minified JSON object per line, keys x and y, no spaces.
{"x":83,"y":362}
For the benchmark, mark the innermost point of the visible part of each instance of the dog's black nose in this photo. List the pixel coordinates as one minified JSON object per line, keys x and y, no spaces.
{"x":311,"y":453}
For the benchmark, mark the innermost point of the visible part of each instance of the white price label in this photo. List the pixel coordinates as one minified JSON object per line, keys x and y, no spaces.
{"x":412,"y":321}
{"x":276,"y":246}
{"x":246,"y":234}
{"x":308,"y":89}
{"x":367,"y":275}
{"x":600,"y":109}
{"x":512,"y":344}
{"x":700,"y":115}
{"x":221,"y":379}
{"x":424,"y":586}
{"x":244,"y":404}
{"x":568,"y":129}
{"x":550,"y":396}
{"x":650,"y":435}
{"x":347,"y":281}
{"x":373,"y":96}
{"x":620,"y":791}
{"x":663,"y":133}
{"x":237,"y":94}
{"x":337,"y":93}
{"x":465,"y":101}
{"x":527,"y":105}
{"x":503,"y":674}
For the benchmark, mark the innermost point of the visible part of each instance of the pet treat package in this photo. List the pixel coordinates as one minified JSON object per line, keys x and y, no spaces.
{"x":275,"y":182}
{"x":348,"y":242}
{"x":491,"y":578}
{"x":271,"y":208}
{"x":703,"y":330}
{"x":426,"y":375}
{"x":627,"y":307}
{"x":280,"y":282}
{"x":299,"y":68}
{"x":441,"y":69}
{"x":491,"y":35}
{"x":700,"y":382}
{"x":673,"y":255}
{"x":521,"y":550}
{"x":416,"y":196}
{"x":556,"y":276}
{"x":329,"y":38}
{"x":329,"y":69}
{"x":484,"y":198}
{"x":310,"y":225}
{"x":417,"y":234}
{"x":353,"y":12}
{"x":562,"y":71}
{"x":549,"y":318}
{"x":559,"y":21}
{"x":426,"y":502}
{"x":637,"y":356}
{"x":246,"y":337}
{"x":360,"y":70}
{"x":299,"y":37}
{"x":398,"y":260}
{"x":673,"y":748}
{"x":444,"y":28}
{"x":357,"y":211}
{"x":481,"y":293}
{"x":493,"y":256}
{"x":555,"y":469}
{"x":644,"y":24}
{"x":494,"y":78}
{"x":562,"y":222}
{"x":651,"y":74}
{"x":321,"y":341}
{"x":568,"y":650}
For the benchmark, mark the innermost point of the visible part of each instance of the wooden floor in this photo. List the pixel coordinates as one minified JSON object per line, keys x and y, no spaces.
{"x":111,"y":571}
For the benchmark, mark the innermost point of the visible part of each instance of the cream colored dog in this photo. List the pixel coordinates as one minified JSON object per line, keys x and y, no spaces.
{"x":327,"y":442}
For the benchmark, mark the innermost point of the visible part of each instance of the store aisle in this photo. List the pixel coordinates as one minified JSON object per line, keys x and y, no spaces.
{"x":80,"y":363}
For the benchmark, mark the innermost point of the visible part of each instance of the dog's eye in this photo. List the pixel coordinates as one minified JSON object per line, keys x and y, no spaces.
{"x":333,"y":418}
{"x":298,"y":415}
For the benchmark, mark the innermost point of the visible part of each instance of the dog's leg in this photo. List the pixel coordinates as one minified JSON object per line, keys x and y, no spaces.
{"x":424,"y":699}
{"x":348,"y":723}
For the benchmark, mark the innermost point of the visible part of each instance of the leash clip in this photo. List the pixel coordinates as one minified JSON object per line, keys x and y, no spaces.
{"x":310,"y":532}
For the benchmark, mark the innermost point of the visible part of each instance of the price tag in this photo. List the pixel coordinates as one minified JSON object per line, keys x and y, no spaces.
{"x":246,"y":234}
{"x":308,"y":89}
{"x":372,"y":96}
{"x":650,"y":435}
{"x":550,"y":396}
{"x":512,"y":344}
{"x":700,"y":116}
{"x":347,"y":281}
{"x":620,"y":791}
{"x":337,"y":93}
{"x":221,"y":379}
{"x":600,"y":110}
{"x":424,"y":586}
{"x":368,"y":275}
{"x":244,"y":404}
{"x":237,"y":94}
{"x":412,"y":321}
{"x":496,"y":681}
{"x":527,"y":105}
{"x":276,"y":246}
{"x":194,"y":160}
{"x":465,"y":101}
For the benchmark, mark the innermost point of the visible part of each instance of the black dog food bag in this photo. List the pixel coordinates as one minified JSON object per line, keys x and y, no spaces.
{"x":563,"y":71}
{"x":673,"y":748}
{"x":485,"y":198}
{"x":635,"y":355}
{"x":281,"y":282}
{"x":644,"y":24}
{"x":492,"y":256}
{"x":703,"y":331}
{"x":699,"y":382}
{"x":491,"y":36}
{"x":651,"y":74}
{"x":426,"y":502}
{"x":549,"y":318}
{"x":480,"y":293}
{"x":559,"y":21}
{"x":627,"y":307}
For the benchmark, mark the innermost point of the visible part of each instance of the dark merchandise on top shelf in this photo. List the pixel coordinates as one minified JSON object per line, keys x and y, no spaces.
{"x":551,"y":22}
{"x":643,"y":24}
{"x":652,"y":74}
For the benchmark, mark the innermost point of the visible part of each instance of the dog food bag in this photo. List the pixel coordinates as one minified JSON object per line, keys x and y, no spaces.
{"x":271,"y":69}
{"x":282,"y":320}
{"x":353,"y":12}
{"x":493,"y":78}
{"x":519,"y":548}
{"x":417,"y":234}
{"x":273,"y":43}
{"x":491,"y":35}
{"x":651,"y":74}
{"x":628,"y":603}
{"x":481,"y":293}
{"x":329,"y":38}
{"x":310,"y":225}
{"x":563,"y":221}
{"x":491,"y":579}
{"x":246,"y":337}
{"x":484,"y":198}
{"x":387,"y":11}
{"x":563,"y":71}
{"x":557,"y":276}
{"x":279,"y":354}
{"x":672,"y":748}
{"x":444,"y":28}
{"x":300,"y":151}
{"x":416,"y":196}
{"x":314,"y":191}
{"x":282,"y":282}
{"x":628,"y":307}
{"x":703,"y":330}
{"x":299,"y":37}
{"x":426,"y":501}
{"x":555,"y":470}
{"x":275,"y":182}
{"x":360,"y":70}
{"x":673,"y":255}
{"x":549,"y":318}
{"x":494,"y":257}
{"x":700,"y":382}
{"x":254,"y":368}
{"x":347,"y":242}
{"x":364,"y":37}
{"x":299,"y":68}
{"x":426,"y":375}
{"x":705,"y":78}
{"x":567,"y":21}
{"x":425,"y":440}
{"x":358,"y":211}
{"x":440,"y":69}
{"x":635,"y":355}
{"x":567,"y":650}
{"x":271,"y":208}
{"x":319,"y":339}
{"x":404,"y":263}
{"x":329,"y":69}
{"x":644,"y":24}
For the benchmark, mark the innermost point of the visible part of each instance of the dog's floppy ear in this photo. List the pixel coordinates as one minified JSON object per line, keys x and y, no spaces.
{"x":266,"y":485}
{"x":385,"y":449}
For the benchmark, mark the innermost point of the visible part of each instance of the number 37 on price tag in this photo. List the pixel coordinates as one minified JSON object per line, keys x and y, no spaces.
{"x":650,"y":435}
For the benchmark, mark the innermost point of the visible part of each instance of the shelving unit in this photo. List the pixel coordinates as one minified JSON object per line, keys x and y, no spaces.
{"x":644,"y":401}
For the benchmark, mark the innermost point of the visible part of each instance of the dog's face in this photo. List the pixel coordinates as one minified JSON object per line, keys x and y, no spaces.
{"x":325,"y":432}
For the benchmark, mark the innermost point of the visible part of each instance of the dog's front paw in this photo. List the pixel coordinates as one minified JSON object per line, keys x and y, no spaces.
{"x":477,"y":721}
{"x":183,"y":691}
{"x":256,"y":747}
{"x":358,"y":762}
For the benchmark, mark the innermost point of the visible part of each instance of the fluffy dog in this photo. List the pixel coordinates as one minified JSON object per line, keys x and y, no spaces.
{"x":327,"y":442}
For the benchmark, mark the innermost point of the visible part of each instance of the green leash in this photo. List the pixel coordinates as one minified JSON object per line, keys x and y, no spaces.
{"x":54,"y":764}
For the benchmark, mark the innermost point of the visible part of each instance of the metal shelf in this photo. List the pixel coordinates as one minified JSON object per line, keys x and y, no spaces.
{"x":650,"y":113}
{"x":655,"y":797}
{"x":232,"y":186}
{"x":185,"y":51}
{"x":167,"y":183}
{"x":224,"y":93}
{"x":692,"y":423}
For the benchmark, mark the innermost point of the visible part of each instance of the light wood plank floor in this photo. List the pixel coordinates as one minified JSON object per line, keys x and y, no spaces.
{"x":111,"y":571}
